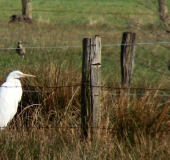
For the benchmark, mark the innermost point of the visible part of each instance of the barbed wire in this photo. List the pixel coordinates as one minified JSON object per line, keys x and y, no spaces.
{"x":102,"y":87}
{"x":105,"y":45}
{"x":77,"y":46}
{"x":63,"y":127}
{"x":79,"y":85}
{"x":136,"y":94}
{"x":85,"y":12}
{"x":60,"y":127}
{"x":99,"y":13}
{"x":40,"y":47}
{"x":111,"y":94}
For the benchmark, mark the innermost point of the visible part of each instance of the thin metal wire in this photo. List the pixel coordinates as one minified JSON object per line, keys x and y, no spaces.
{"x":32,"y":91}
{"x":111,"y":94}
{"x":108,"y":87}
{"x":78,"y":85}
{"x":76,"y":46}
{"x":140,"y":43}
{"x":135,"y":94}
{"x":64,"y":127}
{"x":39,"y":47}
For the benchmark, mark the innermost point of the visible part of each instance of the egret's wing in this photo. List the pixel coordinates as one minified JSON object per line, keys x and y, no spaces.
{"x":10,"y":95}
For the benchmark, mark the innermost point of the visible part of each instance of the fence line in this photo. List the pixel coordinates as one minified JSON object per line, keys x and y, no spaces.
{"x":157,"y":95}
{"x":105,"y":45}
{"x":64,"y":127}
{"x":78,"y":85}
{"x":39,"y":47}
{"x":111,"y":94}
{"x":98,"y":13}
{"x":60,"y":127}
{"x":77,"y":46}
{"x":73,"y":12}
{"x":102,"y":87}
{"x":92,"y":86}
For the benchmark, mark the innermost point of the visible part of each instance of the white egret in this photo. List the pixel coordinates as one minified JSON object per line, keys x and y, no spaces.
{"x":20,"y":49}
{"x":10,"y":96}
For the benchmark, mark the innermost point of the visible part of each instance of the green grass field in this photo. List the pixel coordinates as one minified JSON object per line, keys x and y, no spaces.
{"x":138,"y":125}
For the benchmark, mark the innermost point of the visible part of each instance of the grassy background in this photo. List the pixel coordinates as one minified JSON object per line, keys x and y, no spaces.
{"x":138,"y":125}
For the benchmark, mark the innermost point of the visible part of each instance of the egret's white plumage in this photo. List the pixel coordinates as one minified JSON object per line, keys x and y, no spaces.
{"x":10,"y":96}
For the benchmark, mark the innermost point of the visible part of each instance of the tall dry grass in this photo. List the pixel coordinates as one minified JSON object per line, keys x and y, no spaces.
{"x":48,"y":122}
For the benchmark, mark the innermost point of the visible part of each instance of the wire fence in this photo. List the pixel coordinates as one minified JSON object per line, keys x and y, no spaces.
{"x":110,"y":90}
{"x":138,"y":61}
{"x":78,"y":46}
{"x":45,"y":89}
{"x":33,"y":88}
{"x":79,"y":85}
{"x":109,"y":128}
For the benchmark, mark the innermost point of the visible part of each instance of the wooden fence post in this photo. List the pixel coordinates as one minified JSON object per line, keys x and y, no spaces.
{"x":91,"y":86}
{"x":96,"y":84}
{"x":163,"y":14}
{"x":85,"y":87}
{"x":162,"y":9}
{"x":127,"y":58}
{"x":27,"y":8}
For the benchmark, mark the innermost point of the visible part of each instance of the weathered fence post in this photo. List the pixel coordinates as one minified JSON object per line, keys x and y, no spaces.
{"x":96,"y":84}
{"x":127,"y":58}
{"x":27,"y":8}
{"x":85,"y":87}
{"x":162,"y":9}
{"x":127,"y":65}
{"x":163,"y":14}
{"x":91,"y":87}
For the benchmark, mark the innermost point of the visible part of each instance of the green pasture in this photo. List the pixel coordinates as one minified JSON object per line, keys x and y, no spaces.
{"x":65,"y":23}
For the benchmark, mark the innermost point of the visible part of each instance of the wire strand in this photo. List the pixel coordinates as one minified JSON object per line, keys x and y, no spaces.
{"x":77,"y":46}
{"x":78,"y":85}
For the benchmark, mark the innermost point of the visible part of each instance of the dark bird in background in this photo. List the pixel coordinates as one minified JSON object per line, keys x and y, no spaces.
{"x":20,"y":49}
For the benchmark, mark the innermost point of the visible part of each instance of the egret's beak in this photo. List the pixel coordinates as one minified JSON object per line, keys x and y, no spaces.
{"x":27,"y":75}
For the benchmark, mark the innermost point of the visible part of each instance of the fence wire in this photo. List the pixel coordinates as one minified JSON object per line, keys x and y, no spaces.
{"x":78,"y":46}
{"x":110,"y":89}
{"x":106,"y":87}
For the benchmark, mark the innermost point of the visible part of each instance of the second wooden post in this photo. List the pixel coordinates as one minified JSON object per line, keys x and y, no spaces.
{"x":91,"y":87}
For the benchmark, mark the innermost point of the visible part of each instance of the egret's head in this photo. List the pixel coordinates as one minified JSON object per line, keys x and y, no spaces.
{"x":17,"y":75}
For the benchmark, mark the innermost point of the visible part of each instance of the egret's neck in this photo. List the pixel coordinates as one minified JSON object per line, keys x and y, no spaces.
{"x":16,"y":82}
